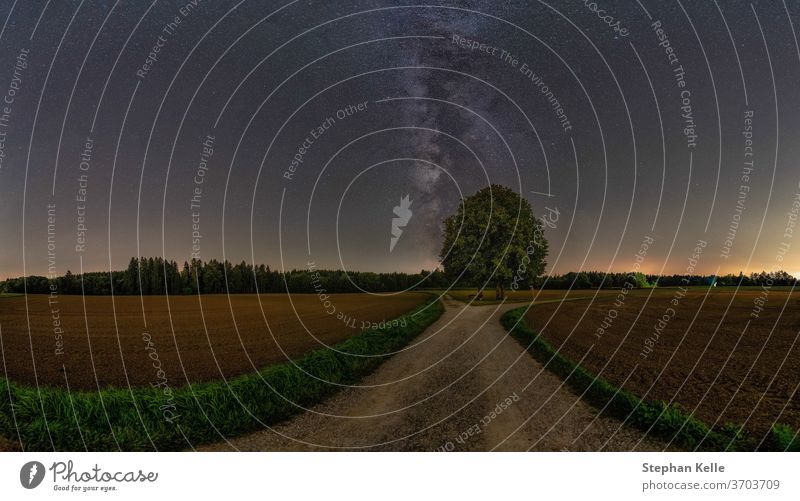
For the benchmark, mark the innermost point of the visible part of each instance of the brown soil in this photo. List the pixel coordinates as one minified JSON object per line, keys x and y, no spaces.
{"x":699,"y":360}
{"x":194,"y":339}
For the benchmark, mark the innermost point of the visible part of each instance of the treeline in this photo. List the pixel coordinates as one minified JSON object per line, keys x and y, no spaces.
{"x":599,"y":279}
{"x":592,"y":280}
{"x":764,"y":278}
{"x":153,"y":276}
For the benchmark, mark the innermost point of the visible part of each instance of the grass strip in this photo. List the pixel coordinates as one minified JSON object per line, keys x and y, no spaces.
{"x":146,"y":419}
{"x":669,"y":422}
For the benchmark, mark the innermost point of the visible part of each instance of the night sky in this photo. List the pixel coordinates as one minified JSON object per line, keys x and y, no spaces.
{"x":633,"y":127}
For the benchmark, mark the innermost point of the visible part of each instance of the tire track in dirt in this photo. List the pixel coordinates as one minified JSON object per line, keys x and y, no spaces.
{"x":468,"y":387}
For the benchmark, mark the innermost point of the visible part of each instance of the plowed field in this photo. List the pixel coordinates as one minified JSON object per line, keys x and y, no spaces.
{"x":708,"y":354}
{"x":126,"y":340}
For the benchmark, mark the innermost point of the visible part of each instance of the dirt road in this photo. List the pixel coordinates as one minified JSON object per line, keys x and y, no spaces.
{"x":463,"y":385}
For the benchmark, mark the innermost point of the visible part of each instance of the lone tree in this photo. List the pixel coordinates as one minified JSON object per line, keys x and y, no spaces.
{"x":494,"y":237}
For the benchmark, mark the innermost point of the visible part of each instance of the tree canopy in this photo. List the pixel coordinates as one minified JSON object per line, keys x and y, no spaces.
{"x":494,"y":238}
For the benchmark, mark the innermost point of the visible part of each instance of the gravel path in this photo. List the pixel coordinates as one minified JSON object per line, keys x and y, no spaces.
{"x":464,"y":386}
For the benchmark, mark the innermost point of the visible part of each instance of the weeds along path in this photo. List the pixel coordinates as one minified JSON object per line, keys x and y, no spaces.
{"x":464,"y":385}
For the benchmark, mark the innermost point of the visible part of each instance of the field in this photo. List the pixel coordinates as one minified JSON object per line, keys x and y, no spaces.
{"x":709,"y":355}
{"x":192,"y":339}
{"x":521,"y":296}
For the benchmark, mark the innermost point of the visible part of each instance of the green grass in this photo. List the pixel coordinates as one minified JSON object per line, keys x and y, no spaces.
{"x":134,"y":420}
{"x":525,"y":296}
{"x":784,"y":438}
{"x":669,"y":422}
{"x":464,"y":295}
